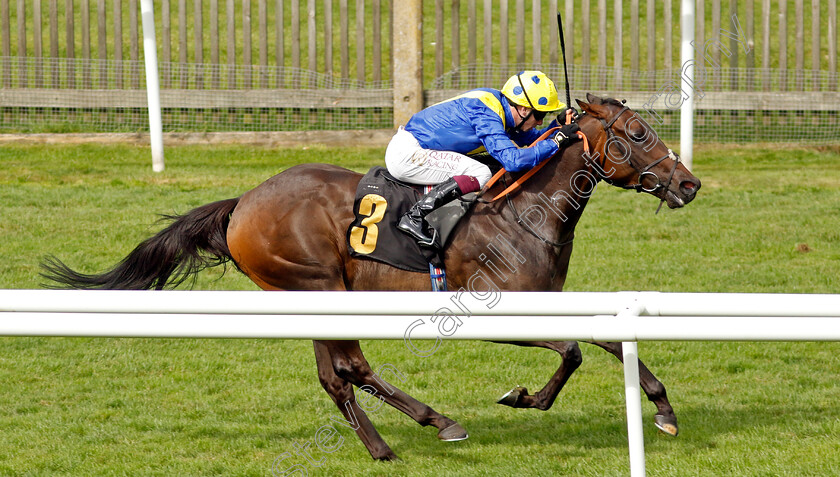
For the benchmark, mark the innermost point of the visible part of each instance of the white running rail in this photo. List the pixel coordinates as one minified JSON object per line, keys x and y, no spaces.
{"x":620,"y":316}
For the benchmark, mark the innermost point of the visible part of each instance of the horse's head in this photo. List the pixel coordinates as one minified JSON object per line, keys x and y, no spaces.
{"x":626,"y":152}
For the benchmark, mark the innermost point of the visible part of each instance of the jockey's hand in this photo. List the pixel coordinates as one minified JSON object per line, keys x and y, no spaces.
{"x":566,"y":135}
{"x":561,"y":118}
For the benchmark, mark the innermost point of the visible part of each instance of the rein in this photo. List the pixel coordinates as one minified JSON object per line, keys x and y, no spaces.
{"x":518,"y":183}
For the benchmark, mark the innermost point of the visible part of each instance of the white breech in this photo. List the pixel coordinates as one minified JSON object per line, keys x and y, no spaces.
{"x":408,"y":161}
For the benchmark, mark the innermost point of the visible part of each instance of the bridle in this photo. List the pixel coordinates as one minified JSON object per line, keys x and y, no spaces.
{"x":639,"y":187}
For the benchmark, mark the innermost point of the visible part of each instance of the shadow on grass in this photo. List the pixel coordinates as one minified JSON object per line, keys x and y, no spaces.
{"x":521,"y":431}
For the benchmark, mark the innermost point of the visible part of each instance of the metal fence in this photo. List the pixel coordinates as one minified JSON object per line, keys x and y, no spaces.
{"x":266,"y":65}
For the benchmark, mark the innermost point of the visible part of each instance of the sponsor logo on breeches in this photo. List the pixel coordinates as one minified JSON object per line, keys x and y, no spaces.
{"x":440,"y":160}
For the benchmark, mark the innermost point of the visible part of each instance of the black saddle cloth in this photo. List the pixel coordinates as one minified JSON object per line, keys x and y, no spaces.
{"x":380,"y":202}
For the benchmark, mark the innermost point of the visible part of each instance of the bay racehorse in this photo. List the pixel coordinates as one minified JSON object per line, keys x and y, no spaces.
{"x":289,"y":234}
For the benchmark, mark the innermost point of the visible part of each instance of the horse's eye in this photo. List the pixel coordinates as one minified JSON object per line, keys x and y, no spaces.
{"x":637,"y":134}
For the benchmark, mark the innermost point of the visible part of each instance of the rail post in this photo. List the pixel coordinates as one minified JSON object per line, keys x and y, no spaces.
{"x":152,"y":84}
{"x":687,"y":84}
{"x":632,"y":395}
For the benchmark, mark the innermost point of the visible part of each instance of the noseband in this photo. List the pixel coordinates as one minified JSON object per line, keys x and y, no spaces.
{"x":607,"y":125}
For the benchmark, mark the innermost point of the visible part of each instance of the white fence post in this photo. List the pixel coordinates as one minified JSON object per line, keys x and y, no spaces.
{"x":687,"y":84}
{"x":632,"y":395}
{"x":633,"y":403}
{"x":152,"y":84}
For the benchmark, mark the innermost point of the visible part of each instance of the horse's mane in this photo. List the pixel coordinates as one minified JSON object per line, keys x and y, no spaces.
{"x":612,"y":101}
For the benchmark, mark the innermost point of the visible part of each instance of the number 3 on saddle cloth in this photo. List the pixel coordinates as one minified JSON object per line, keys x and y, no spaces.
{"x":380,"y":202}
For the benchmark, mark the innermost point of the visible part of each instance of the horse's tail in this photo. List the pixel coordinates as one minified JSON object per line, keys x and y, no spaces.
{"x":192,"y":242}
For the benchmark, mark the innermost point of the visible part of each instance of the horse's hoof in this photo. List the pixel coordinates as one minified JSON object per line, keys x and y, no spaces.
{"x":389,"y":457}
{"x":512,"y":397}
{"x":453,"y":433}
{"x":668,"y":425}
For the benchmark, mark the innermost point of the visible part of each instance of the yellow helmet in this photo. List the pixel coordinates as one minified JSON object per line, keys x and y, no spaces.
{"x":533,"y":89}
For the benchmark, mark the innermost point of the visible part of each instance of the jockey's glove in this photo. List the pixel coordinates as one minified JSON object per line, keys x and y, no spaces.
{"x":566,"y":135}
{"x":561,"y":118}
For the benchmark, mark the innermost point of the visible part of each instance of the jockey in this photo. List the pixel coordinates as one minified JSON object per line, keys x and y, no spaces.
{"x":434,"y":147}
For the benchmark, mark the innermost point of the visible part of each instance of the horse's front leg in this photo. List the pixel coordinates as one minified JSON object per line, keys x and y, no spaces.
{"x":665,"y":418}
{"x":544,"y":398}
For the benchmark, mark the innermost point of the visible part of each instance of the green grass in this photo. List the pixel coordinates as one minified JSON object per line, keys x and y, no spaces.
{"x":231,"y":407}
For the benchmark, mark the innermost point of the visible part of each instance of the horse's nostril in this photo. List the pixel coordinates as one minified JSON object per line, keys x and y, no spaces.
{"x":688,"y":186}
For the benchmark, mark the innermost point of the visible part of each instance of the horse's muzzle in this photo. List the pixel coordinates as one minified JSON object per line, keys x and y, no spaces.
{"x":684,"y":194}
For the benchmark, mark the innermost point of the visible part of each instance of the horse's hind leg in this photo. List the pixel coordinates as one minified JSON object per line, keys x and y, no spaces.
{"x":543,"y":400}
{"x":341,"y":393}
{"x":665,"y":418}
{"x":350,"y":364}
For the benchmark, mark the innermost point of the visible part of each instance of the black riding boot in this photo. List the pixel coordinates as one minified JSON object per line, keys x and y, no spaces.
{"x":412,"y":222}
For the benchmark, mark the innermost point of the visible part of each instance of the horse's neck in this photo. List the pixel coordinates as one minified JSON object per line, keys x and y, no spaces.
{"x":558,"y":196}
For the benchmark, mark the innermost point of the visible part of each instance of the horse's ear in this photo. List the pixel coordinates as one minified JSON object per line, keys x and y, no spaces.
{"x":583,"y":104}
{"x":595,"y":106}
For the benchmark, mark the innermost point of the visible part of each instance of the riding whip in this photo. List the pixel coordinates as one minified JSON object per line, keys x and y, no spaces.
{"x":565,"y":69}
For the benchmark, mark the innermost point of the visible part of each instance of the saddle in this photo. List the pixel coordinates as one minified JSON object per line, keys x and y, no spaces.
{"x":379,"y":203}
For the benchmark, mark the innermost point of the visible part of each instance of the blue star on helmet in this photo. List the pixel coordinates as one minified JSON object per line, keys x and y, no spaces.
{"x":517,"y":90}
{"x":535,"y":79}
{"x":543,"y":101}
